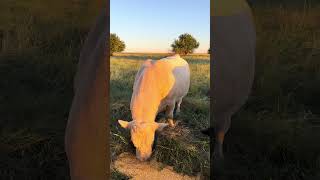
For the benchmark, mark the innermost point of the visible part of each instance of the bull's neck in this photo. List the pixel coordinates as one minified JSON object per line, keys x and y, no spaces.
{"x":145,"y":99}
{"x":145,"y":108}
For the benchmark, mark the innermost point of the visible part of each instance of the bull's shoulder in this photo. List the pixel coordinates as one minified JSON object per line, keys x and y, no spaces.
{"x":146,"y":66}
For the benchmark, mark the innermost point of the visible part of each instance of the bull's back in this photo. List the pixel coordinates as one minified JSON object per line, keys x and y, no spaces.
{"x":233,"y":73}
{"x":160,"y":82}
{"x":180,"y":72}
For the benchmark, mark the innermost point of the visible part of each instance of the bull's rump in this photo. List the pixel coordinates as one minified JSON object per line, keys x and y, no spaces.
{"x":181,"y":73}
{"x":180,"y":87}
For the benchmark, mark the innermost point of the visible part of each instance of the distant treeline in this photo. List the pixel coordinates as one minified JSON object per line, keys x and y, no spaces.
{"x":284,"y":3}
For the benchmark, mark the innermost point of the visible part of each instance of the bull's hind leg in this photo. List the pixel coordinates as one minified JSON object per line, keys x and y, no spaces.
{"x":178,"y":106}
{"x":169,"y":113}
{"x":222,"y":125}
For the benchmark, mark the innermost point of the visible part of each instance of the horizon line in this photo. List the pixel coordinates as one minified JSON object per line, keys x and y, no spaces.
{"x":141,"y":52}
{"x":201,"y":52}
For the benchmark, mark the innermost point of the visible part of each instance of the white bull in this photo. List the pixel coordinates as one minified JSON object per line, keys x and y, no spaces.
{"x":158,"y":86}
{"x":87,"y":129}
{"x":233,"y":50}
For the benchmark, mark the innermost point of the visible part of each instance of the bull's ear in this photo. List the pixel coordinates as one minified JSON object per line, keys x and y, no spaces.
{"x":160,"y":126}
{"x":124,"y":124}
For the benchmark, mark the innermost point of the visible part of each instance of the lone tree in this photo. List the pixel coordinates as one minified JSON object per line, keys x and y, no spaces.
{"x":185,"y":44}
{"x":116,"y":45}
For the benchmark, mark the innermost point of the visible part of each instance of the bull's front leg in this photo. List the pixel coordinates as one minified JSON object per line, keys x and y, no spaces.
{"x":169,"y":113}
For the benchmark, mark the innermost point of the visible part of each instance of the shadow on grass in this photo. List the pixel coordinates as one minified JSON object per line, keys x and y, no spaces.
{"x":270,"y":147}
{"x":33,"y":155}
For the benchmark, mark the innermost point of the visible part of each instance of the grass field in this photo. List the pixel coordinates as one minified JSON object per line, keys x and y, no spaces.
{"x":275,"y":136}
{"x":184,"y":147}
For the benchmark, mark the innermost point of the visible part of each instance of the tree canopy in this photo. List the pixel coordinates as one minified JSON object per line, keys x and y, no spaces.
{"x":116,"y":45}
{"x":185,"y":44}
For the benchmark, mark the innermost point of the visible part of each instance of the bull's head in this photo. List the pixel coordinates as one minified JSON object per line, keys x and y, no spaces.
{"x":142,"y":136}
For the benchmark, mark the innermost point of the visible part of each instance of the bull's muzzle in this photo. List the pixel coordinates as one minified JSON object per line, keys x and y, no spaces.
{"x":143,"y":156}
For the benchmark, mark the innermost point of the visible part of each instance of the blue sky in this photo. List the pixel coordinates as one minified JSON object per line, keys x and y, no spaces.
{"x":152,"y":25}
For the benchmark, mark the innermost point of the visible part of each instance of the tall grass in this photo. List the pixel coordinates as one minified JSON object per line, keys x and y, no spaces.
{"x":39,"y":49}
{"x":274,"y":135}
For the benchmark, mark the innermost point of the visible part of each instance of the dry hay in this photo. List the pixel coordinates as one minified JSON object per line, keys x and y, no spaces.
{"x":129,"y":165}
{"x":178,"y":131}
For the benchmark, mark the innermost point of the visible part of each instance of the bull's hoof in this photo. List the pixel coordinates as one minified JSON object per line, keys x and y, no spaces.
{"x":171,"y":123}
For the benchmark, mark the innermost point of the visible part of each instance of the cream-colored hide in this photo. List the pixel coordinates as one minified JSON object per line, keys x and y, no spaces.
{"x":159,"y":85}
{"x":233,"y":44}
{"x":87,"y":129}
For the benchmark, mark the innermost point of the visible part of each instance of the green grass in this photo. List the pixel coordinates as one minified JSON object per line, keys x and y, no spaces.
{"x":39,"y":49}
{"x":184,"y":148}
{"x":30,"y":155}
{"x":275,"y":134}
{"x":116,"y":175}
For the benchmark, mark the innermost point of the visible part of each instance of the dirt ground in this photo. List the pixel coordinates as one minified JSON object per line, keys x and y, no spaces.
{"x":129,"y":165}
